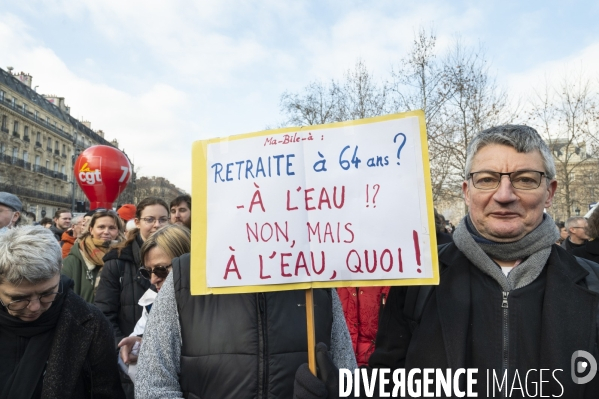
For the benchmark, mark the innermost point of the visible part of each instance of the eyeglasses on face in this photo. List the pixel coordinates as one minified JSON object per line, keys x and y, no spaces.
{"x":520,"y":179}
{"x":152,"y":220}
{"x":159,"y":271}
{"x":21,"y":304}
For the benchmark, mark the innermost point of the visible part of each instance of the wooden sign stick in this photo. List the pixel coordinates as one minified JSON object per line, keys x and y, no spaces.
{"x":311,"y":334}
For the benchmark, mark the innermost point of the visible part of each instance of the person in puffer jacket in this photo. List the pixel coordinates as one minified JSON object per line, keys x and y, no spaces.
{"x":361,"y":307}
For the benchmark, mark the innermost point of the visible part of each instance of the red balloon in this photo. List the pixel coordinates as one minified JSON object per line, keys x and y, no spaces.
{"x":102,"y":172}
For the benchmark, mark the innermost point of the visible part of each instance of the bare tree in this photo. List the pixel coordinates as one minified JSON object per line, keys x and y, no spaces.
{"x":358,"y":96}
{"x":472,"y":102}
{"x":418,"y":83}
{"x":317,"y":105}
{"x":361,"y":96}
{"x":567,"y":117}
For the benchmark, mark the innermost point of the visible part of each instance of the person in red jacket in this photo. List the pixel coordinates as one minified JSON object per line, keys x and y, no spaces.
{"x":361,"y":307}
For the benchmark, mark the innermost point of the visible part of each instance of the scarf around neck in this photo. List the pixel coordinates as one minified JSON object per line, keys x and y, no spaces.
{"x":94,"y":249}
{"x":533,"y":249}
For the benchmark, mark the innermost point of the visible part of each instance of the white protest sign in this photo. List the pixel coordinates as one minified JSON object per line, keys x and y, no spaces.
{"x":345,"y":204}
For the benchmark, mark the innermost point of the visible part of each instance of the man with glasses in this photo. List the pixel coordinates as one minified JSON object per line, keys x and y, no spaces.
{"x":577,"y":233}
{"x":510,"y":302}
{"x":10,"y":210}
{"x":52,"y":343}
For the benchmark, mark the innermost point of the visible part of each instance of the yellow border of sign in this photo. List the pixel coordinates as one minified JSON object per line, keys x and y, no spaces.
{"x":200,"y":205}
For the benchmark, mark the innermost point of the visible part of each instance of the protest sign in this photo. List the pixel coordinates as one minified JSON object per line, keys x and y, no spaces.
{"x":344,"y":204}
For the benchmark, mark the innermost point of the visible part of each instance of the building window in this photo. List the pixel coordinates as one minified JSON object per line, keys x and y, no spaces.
{"x":38,"y":137}
{"x":47,"y":164}
{"x":2,"y":148}
{"x":37,"y":160}
{"x":4,"y":121}
{"x":25,"y":156}
{"x":47,"y":120}
{"x":50,"y":143}
{"x":62,"y":169}
{"x":15,"y":126}
{"x":26,"y":131}
{"x":24,"y":107}
{"x":56,"y":145}
{"x":64,"y":148}
{"x":35,"y":115}
{"x":14,"y":102}
{"x":15,"y":152}
{"x":56,"y":167}
{"x":1,"y":95}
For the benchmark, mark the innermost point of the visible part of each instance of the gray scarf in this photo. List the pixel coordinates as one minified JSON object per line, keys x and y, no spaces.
{"x":534,"y":248}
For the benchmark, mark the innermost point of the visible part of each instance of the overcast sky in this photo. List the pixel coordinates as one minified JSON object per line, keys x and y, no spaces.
{"x":158,"y":75}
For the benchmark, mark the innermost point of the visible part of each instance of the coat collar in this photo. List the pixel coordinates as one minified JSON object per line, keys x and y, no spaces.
{"x":567,"y":303}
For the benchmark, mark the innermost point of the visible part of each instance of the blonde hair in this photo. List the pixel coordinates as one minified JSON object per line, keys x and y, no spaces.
{"x":173,"y":239}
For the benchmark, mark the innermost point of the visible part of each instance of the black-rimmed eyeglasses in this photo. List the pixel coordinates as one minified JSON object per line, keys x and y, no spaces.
{"x":520,"y":179}
{"x":21,"y":304}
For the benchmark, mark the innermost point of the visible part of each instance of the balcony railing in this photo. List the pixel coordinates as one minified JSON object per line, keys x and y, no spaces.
{"x":49,"y":149}
{"x":16,"y":134}
{"x":26,"y":138}
{"x":56,"y":152}
{"x":63,"y":155}
{"x":4,"y":129}
{"x":38,"y":144}
{"x":36,"y":168}
{"x":28,"y":192}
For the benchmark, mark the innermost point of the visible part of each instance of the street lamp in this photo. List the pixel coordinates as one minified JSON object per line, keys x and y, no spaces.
{"x":577,"y":210}
{"x":74,"y":158}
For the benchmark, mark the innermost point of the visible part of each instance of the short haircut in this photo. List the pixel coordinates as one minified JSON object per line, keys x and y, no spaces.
{"x":76,"y":219}
{"x":522,"y":138}
{"x":174,"y":240}
{"x":593,"y":225}
{"x":29,"y":253}
{"x":60,"y":212}
{"x":182,"y":198}
{"x":45,"y":221}
{"x":573,"y":221}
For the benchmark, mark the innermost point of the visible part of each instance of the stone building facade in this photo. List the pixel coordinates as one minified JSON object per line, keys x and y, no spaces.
{"x":39,"y":141}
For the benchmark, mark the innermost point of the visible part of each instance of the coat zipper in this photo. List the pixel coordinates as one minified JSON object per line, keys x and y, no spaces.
{"x":264,"y":343}
{"x":506,"y":341}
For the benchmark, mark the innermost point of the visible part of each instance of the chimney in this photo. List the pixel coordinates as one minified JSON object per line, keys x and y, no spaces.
{"x":87,"y":124}
{"x":25,"y":78}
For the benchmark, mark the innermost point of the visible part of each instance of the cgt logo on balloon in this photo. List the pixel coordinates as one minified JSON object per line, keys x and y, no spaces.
{"x":86,"y":175}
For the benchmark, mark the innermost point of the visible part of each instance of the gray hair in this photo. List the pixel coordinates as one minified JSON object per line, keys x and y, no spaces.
{"x":29,"y":253}
{"x":522,"y":138}
{"x":573,"y":221}
{"x":77,"y":219}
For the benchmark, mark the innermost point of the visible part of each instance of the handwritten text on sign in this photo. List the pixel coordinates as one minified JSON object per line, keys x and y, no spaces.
{"x":340,"y":204}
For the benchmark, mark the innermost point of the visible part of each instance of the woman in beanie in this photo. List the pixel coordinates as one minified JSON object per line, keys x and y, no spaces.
{"x":85,"y":261}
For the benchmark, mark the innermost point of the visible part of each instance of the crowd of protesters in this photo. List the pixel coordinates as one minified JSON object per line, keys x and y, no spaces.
{"x":99,"y":305}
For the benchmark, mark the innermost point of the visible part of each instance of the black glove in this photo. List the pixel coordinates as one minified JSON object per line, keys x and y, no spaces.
{"x":326,"y":385}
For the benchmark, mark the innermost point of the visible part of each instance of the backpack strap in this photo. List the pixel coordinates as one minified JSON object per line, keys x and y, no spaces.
{"x":417,"y":297}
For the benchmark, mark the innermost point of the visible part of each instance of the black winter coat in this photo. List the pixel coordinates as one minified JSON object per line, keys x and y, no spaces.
{"x":590,"y":251}
{"x":83,"y":358}
{"x":117,"y":298}
{"x":461,"y":325}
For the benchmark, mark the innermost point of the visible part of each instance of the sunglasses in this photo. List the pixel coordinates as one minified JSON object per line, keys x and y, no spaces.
{"x":159,"y":271}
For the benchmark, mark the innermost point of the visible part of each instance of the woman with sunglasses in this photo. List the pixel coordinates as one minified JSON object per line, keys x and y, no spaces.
{"x":157,"y":253}
{"x":121,"y":285}
{"x":85,"y":261}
